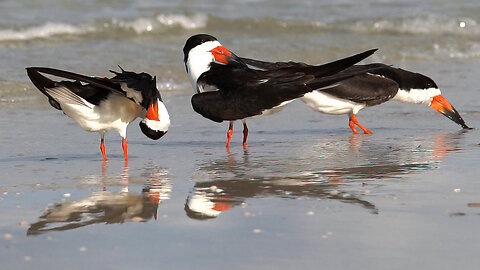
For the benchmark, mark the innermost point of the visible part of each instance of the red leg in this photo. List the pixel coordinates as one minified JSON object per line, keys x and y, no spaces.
{"x":352,"y":125}
{"x":229,"y":134}
{"x":245,"y":133}
{"x":354,"y":119}
{"x":102,"y":148}
{"x":125,"y":149}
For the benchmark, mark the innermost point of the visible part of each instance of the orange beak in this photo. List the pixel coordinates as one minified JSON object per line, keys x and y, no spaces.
{"x":151,"y":126}
{"x":441,"y":105}
{"x":222,"y":204}
{"x":221,"y":54}
{"x":152,"y":112}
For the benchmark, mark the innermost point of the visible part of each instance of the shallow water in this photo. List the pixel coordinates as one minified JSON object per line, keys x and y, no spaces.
{"x":307,"y":193}
{"x":304,"y":193}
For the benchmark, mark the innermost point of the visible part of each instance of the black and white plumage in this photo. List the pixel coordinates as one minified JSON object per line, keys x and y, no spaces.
{"x":228,"y":89}
{"x":101,"y":104}
{"x":380,"y":84}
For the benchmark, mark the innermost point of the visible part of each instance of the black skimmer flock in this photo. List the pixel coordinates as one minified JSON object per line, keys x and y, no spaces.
{"x":227,"y":89}
{"x":380,"y":84}
{"x":101,"y":104}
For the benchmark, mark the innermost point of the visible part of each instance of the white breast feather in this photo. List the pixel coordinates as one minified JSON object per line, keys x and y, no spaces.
{"x":325,"y":103}
{"x":417,"y":96}
{"x":116,"y":112}
{"x":275,"y":109}
{"x":199,"y":60}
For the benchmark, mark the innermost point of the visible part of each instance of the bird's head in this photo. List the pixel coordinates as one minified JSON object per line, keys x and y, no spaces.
{"x":441,"y":105}
{"x":141,"y":88}
{"x":420,"y":89}
{"x":157,"y":121}
{"x":438,"y":102}
{"x":200,"y":51}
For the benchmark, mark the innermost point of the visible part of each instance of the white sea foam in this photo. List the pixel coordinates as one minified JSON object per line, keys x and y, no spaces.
{"x":162,"y":21}
{"x":187,"y":22}
{"x":139,"y":25}
{"x":43,"y":31}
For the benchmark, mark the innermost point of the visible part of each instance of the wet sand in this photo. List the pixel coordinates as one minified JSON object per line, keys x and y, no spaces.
{"x":305,"y":193}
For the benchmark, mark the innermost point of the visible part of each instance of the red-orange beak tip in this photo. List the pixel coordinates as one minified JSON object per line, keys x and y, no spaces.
{"x":152,"y":112}
{"x":221,"y":54}
{"x":441,"y":105}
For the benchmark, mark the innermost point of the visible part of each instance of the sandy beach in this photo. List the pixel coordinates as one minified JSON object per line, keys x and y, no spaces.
{"x":310,"y":194}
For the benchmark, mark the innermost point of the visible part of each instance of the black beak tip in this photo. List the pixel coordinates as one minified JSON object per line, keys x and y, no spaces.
{"x":455,"y":117}
{"x":150,"y":133}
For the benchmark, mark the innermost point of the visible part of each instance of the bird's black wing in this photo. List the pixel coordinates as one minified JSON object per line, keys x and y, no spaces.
{"x":317,"y":70}
{"x":244,"y":92}
{"x":235,"y":101}
{"x":264,"y":65}
{"x":364,"y":88}
{"x":140,"y":87}
{"x":91,"y":89}
{"x":229,"y":77}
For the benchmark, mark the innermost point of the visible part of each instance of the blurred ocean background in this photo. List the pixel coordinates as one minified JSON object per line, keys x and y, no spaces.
{"x":148,"y":35}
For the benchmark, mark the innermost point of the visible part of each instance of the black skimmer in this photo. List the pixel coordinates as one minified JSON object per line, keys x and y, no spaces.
{"x":380,"y":84}
{"x":228,"y":90}
{"x":101,"y":104}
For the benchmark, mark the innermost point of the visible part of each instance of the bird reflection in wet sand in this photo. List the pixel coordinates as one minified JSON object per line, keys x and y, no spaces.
{"x":106,"y":207}
{"x":355,"y":159}
{"x":209,"y":202}
{"x":418,"y":155}
{"x":210,"y":199}
{"x":363,"y":158}
{"x":234,"y":184}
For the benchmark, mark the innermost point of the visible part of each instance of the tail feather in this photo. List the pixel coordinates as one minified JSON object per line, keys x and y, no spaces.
{"x":328,"y":81}
{"x":318,"y":71}
{"x":326,"y":74}
{"x":72,"y":76}
{"x":43,"y":83}
{"x":338,"y":65}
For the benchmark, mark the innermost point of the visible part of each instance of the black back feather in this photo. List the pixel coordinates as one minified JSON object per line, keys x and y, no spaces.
{"x":95,"y":89}
{"x":245,"y":92}
{"x":141,"y":82}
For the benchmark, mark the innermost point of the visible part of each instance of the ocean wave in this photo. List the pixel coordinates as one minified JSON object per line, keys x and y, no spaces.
{"x":416,"y":25}
{"x":159,"y":23}
{"x":163,"y":22}
{"x":434,"y":36}
{"x":43,"y":31}
{"x":425,"y":24}
{"x":466,"y":51}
